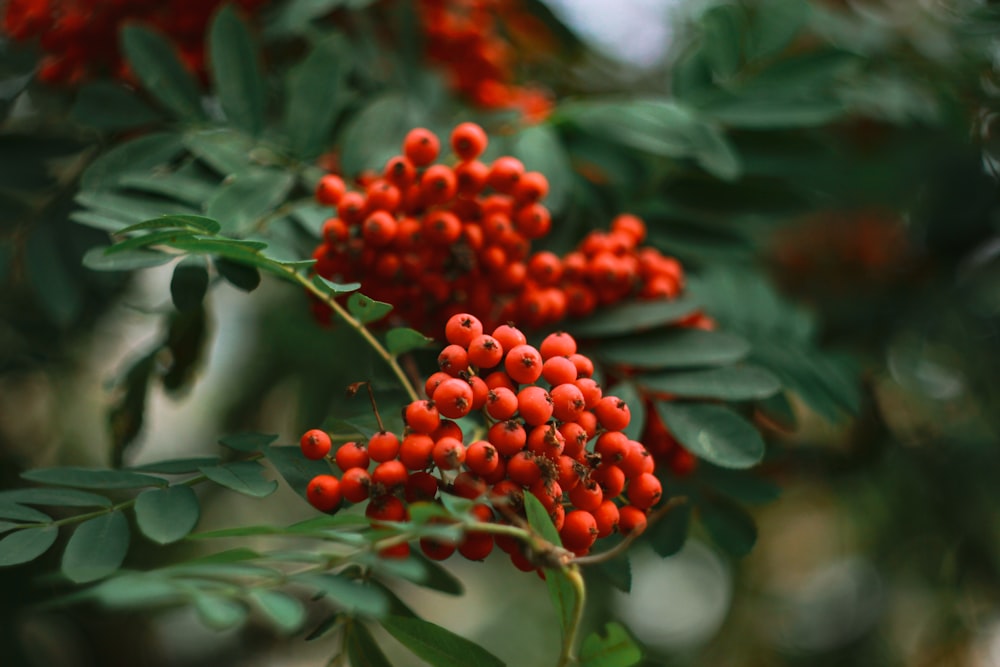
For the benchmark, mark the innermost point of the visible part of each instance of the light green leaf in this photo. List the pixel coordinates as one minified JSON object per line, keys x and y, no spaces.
{"x":177,"y":466}
{"x":632,"y":316}
{"x":362,"y":649}
{"x":714,"y":433}
{"x":26,"y":545}
{"x":96,"y":548}
{"x":219,"y":613}
{"x":248,"y":442}
{"x":334,"y":288}
{"x":167,"y":515}
{"x":247,"y":196}
{"x":135,"y":156}
{"x":193,"y":223}
{"x":11,"y":510}
{"x":540,"y":149}
{"x":376,"y":132}
{"x":246,"y":477}
{"x":775,"y":24}
{"x":315,"y":96}
{"x":367,"y":310}
{"x":91,"y":478}
{"x":723,"y":27}
{"x":154,"y":61}
{"x":402,"y":340}
{"x":285,"y":611}
{"x":353,"y":596}
{"x":224,"y":150}
{"x":97,"y":259}
{"x":55,"y":497}
{"x":615,"y":649}
{"x":675,"y":348}
{"x":236,"y":71}
{"x":436,"y":645}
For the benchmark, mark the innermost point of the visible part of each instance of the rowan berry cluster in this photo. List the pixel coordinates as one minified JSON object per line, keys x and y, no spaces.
{"x":549,"y":431}
{"x":433,"y":239}
{"x":80,"y":37}
{"x":469,"y":38}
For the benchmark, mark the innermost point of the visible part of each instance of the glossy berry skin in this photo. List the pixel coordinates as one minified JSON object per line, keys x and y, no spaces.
{"x":468,"y":141}
{"x":352,"y":455}
{"x":421,"y":146}
{"x":330,"y":189}
{"x":631,"y":520}
{"x":383,"y":446}
{"x":523,"y":364}
{"x":462,"y":328}
{"x":579,"y":530}
{"x":324,"y":493}
{"x":644,"y":491}
{"x":315,"y":444}
{"x":356,"y":485}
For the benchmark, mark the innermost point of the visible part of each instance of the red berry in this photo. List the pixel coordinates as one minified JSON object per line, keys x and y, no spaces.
{"x":523,"y":469}
{"x":501,"y":403}
{"x":509,"y":337}
{"x":422,"y":416}
{"x":468,"y":140}
{"x":356,"y":484}
{"x":523,"y":364}
{"x":462,"y":328}
{"x":383,"y":446}
{"x":644,"y":491}
{"x":579,"y":530}
{"x":421,"y":146}
{"x":587,"y":495}
{"x":613,"y":413}
{"x":606,"y":516}
{"x":631,"y":520}
{"x":416,"y":450}
{"x":449,"y":453}
{"x":558,"y":370}
{"x":508,"y":437}
{"x":315,"y":444}
{"x":453,"y":398}
{"x":330,"y":189}
{"x":481,"y":458}
{"x":390,"y":474}
{"x":386,"y":508}
{"x":559,"y":344}
{"x":420,"y":486}
{"x":453,"y":360}
{"x":324,"y":493}
{"x":567,"y":402}
{"x":352,"y":455}
{"x":534,"y":405}
{"x":485,"y":351}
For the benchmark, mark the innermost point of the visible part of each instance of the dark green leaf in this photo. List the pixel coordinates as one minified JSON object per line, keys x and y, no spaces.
{"x":768,"y":112}
{"x":618,"y":572}
{"x":367,"y":310}
{"x":247,"y":196}
{"x":729,"y":525}
{"x":190,"y":190}
{"x":55,"y":497}
{"x":723,"y":29}
{"x":437,"y":646}
{"x":296,"y":469}
{"x":315,"y":96}
{"x":667,"y":536}
{"x":111,"y":106}
{"x":675,"y":348}
{"x":362,"y":649}
{"x":615,"y":649}
{"x":11,"y":510}
{"x":540,"y":149}
{"x":740,"y":485}
{"x":402,"y":340}
{"x":714,"y":433}
{"x":167,"y":515}
{"x":96,"y":548}
{"x":734,"y":383}
{"x":26,"y":545}
{"x":248,"y":442}
{"x":224,"y":150}
{"x":243,"y":277}
{"x":561,"y":590}
{"x":165,"y":237}
{"x":178,"y":466}
{"x":235,"y":71}
{"x":92,"y":478}
{"x":246,"y":477}
{"x":219,"y":613}
{"x":97,"y":259}
{"x":194,"y":223}
{"x":135,"y":156}
{"x":353,"y":596}
{"x":55,"y":283}
{"x":334,"y":288}
{"x":154,"y":61}
{"x":130,"y":207}
{"x":776,"y":23}
{"x":439,"y":577}
{"x":6,"y":526}
{"x":631,"y":317}
{"x":189,"y":283}
{"x":284,"y":611}
{"x":385,"y":120}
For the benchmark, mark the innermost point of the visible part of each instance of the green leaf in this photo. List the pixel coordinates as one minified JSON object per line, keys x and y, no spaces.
{"x":107,"y":105}
{"x":92,"y":478}
{"x":436,"y":645}
{"x":284,"y":611}
{"x":178,"y":466}
{"x":334,"y":288}
{"x":11,"y":510}
{"x":775,"y":24}
{"x":402,"y":340}
{"x":240,"y":276}
{"x":248,"y":442}
{"x":247,"y":196}
{"x":189,"y":283}
{"x":246,"y":477}
{"x":729,"y":525}
{"x":770,"y":112}
{"x":97,"y":259}
{"x":667,"y":536}
{"x":135,"y":156}
{"x":439,"y":577}
{"x":219,"y":613}
{"x":165,"y":237}
{"x":740,"y":485}
{"x":55,"y":497}
{"x":7,"y":526}
{"x":129,"y":207}
{"x":153,"y":59}
{"x":353,"y":596}
{"x":96,"y":548}
{"x":631,"y":317}
{"x":236,"y":71}
{"x":315,"y":96}
{"x":195,"y":223}
{"x":26,"y":545}
{"x":136,"y":589}
{"x":296,"y":469}
{"x":376,"y":132}
{"x":733,"y":383}
{"x":362,"y":649}
{"x":628,"y":392}
{"x":540,"y":149}
{"x":367,"y":310}
{"x":675,"y":348}
{"x":615,"y":649}
{"x":224,"y":150}
{"x":193,"y":191}
{"x":562,"y":592}
{"x":722,"y":25}
{"x":714,"y":433}
{"x":167,"y":515}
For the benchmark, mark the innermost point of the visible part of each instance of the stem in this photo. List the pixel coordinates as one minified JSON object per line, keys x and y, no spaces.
{"x":568,"y":654}
{"x":622,"y":546}
{"x":355,"y":324}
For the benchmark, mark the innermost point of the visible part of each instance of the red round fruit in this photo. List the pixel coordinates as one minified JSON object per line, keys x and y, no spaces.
{"x":485,"y":351}
{"x":416,"y":450}
{"x":579,"y":530}
{"x":468,"y":140}
{"x":422,"y":416}
{"x":324,"y":493}
{"x":356,"y":484}
{"x":315,"y":444}
{"x":644,"y":491}
{"x":567,"y":402}
{"x":448,"y":453}
{"x":462,"y":328}
{"x":352,"y":455}
{"x":421,"y":146}
{"x":613,"y":413}
{"x":383,"y":446}
{"x":481,"y":457}
{"x":523,"y":364}
{"x":390,"y":474}
{"x":330,"y":189}
{"x":453,"y":398}
{"x":534,"y":405}
{"x":631,"y":520}
{"x":606,"y":516}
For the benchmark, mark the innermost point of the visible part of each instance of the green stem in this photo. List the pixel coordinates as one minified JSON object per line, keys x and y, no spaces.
{"x":568,"y":654}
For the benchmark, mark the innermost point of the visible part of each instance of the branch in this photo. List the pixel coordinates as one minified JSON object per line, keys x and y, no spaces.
{"x":623,"y":546}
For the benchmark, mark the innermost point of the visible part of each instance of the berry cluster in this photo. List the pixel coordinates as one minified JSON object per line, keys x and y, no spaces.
{"x":433,"y":239}
{"x":469,"y":39}
{"x":80,"y":37}
{"x":549,"y":431}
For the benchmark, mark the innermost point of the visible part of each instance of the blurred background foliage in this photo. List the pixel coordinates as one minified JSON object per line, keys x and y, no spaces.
{"x":827,"y":172}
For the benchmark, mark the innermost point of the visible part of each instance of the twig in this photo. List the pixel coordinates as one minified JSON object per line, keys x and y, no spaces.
{"x":622,"y":546}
